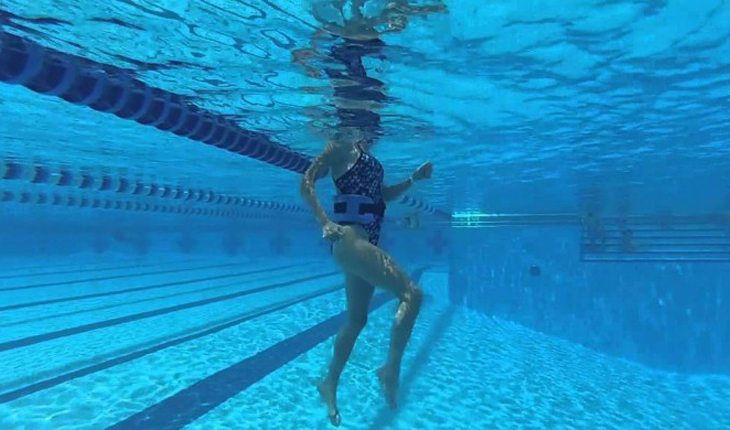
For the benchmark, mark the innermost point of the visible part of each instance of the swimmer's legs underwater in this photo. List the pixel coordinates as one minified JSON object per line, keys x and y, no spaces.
{"x":359,"y":294}
{"x":366,"y":265}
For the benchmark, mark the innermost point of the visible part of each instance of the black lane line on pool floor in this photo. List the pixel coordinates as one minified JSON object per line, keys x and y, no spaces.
{"x":32,"y":340}
{"x":111,"y":277}
{"x":145,"y":300}
{"x":146,"y":287}
{"x":60,"y":379}
{"x":185,"y":406}
{"x":81,"y":269}
{"x":63,"y":265}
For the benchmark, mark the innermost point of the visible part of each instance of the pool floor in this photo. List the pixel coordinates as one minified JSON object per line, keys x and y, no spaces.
{"x":209,"y":343}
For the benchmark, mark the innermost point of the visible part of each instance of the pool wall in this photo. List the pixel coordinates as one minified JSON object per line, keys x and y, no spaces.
{"x":670,"y":315}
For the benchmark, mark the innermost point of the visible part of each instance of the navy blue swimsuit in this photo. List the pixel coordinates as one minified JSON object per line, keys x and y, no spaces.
{"x":365,"y":178}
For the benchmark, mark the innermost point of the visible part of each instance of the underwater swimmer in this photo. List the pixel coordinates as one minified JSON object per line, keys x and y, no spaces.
{"x":354,"y":230}
{"x":359,"y":212}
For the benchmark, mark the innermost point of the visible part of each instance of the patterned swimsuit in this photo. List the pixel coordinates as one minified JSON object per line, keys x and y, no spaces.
{"x":365,"y":178}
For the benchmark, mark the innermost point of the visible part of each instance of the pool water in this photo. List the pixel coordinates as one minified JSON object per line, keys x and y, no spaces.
{"x":178,"y":343}
{"x":160,"y":270}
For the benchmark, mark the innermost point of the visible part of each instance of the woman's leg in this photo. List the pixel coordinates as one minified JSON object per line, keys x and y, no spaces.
{"x":359,"y":257}
{"x":359,"y":294}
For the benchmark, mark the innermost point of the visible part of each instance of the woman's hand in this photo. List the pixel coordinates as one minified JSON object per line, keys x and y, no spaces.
{"x":332,"y":231}
{"x":423,"y":172}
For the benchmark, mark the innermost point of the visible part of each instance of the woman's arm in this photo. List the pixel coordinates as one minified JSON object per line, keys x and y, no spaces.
{"x":392,"y":192}
{"x":319,"y":165}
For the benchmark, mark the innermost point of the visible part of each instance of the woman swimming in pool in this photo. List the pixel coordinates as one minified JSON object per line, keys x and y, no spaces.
{"x":358,"y":177}
{"x":360,"y":205}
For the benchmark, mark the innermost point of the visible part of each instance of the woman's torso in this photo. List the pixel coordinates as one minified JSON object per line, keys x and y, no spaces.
{"x":362,"y":176}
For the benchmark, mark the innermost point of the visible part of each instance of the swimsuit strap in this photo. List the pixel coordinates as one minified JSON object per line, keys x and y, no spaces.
{"x":354,"y":165}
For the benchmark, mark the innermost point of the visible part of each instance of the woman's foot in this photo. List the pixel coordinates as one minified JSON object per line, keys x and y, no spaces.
{"x":389,"y":383}
{"x":328,"y":394}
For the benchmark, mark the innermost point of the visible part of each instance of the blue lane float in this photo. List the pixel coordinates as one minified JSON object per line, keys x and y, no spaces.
{"x":111,"y":90}
{"x":424,"y":207}
{"x":118,"y":203}
{"x":65,"y":177}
